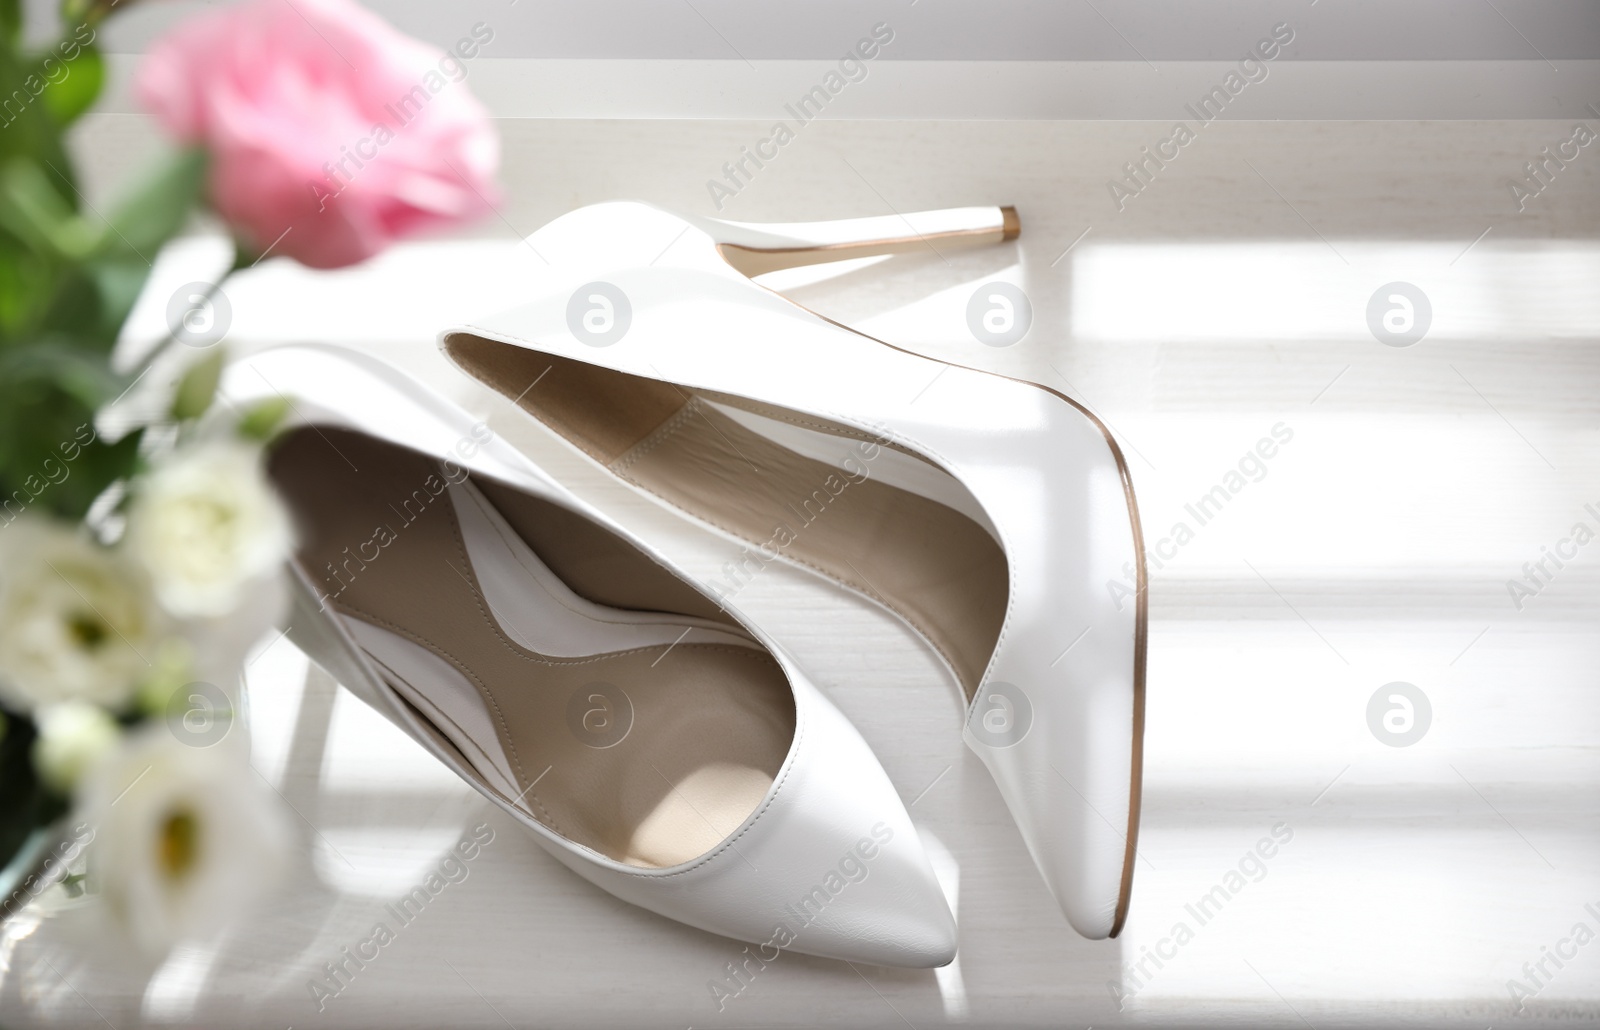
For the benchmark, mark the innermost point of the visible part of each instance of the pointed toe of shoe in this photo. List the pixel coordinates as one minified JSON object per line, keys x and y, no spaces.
{"x":830,"y":865}
{"x":895,"y":915}
{"x":868,"y":892}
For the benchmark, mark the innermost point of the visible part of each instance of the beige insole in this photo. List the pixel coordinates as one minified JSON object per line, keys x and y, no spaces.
{"x":710,"y":724}
{"x":937,"y":568}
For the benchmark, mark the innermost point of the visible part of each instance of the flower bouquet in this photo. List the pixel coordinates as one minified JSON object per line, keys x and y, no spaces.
{"x":141,"y":560}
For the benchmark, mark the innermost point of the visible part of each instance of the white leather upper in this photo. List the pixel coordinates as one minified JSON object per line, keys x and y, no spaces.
{"x":1042,"y":470}
{"x":829,"y":796}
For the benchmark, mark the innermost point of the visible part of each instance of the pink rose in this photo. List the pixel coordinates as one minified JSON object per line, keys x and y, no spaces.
{"x":331,"y":134}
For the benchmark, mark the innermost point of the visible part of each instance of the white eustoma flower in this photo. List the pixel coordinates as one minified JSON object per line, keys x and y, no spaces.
{"x":185,"y":839}
{"x":72,"y":737}
{"x":207,"y":526}
{"x":76,"y":621}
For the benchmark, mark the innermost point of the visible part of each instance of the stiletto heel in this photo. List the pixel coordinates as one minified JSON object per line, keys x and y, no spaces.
{"x":993,"y":516}
{"x":754,"y":248}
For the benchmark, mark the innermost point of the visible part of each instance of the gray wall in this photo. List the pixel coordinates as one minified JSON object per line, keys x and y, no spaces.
{"x":1005,"y":30}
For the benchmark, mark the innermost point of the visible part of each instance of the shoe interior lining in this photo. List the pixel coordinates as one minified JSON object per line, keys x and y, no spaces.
{"x":708,"y":726}
{"x":939,"y":569}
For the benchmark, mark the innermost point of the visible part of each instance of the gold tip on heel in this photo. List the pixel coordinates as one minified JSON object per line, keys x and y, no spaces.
{"x":1012,"y":227}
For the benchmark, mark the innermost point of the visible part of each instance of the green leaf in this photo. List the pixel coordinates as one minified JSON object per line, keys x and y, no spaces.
{"x":99,"y":465}
{"x":198,"y":387}
{"x":27,"y":281}
{"x":88,"y":298}
{"x":94,"y":299}
{"x":10,"y":22}
{"x":80,"y":373}
{"x":26,"y":127}
{"x":76,"y":91}
{"x":51,"y":458}
{"x":32,"y":210}
{"x":261,"y":420}
{"x":159,"y":206}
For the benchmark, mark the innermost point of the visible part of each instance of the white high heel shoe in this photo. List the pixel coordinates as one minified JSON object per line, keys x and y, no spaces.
{"x":654,"y":743}
{"x":988,"y":513}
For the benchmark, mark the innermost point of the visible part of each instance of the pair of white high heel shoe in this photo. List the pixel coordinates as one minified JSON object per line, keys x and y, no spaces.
{"x":654,"y":739}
